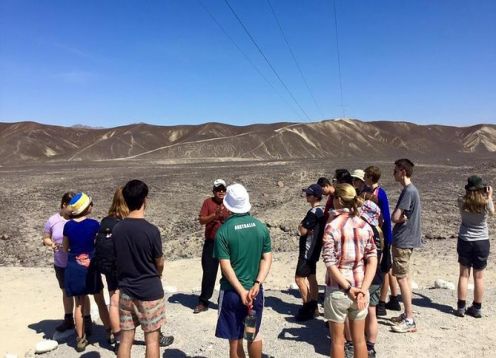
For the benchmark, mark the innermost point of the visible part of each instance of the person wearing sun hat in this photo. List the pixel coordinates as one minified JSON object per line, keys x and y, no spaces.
{"x":80,"y":278}
{"x":473,"y":242}
{"x":243,"y":248}
{"x":212,"y":215}
{"x":358,"y":180}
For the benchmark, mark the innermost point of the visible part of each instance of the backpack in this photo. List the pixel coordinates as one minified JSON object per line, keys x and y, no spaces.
{"x":104,"y":258}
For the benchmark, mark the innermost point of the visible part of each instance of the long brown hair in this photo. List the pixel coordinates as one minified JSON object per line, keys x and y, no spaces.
{"x":118,"y":209}
{"x":349,"y":198}
{"x":475,"y":201}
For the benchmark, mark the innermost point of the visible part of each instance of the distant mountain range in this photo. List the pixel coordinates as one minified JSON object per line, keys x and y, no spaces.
{"x":26,"y":142}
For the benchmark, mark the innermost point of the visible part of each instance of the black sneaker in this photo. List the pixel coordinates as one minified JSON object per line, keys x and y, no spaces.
{"x":304,"y":313}
{"x":65,"y":325}
{"x":349,"y":351}
{"x":474,"y":312}
{"x":166,"y":340}
{"x":380,"y":309}
{"x":371,"y":353}
{"x":393,"y":304}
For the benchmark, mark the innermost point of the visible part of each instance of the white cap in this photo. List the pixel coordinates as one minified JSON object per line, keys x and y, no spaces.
{"x":219,"y":182}
{"x":358,"y":174}
{"x":237,"y":199}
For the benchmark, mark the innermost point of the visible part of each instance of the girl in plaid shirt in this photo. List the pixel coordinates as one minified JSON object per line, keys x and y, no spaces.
{"x":350,"y":255}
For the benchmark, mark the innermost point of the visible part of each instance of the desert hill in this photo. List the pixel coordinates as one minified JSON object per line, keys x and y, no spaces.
{"x":27,"y":142}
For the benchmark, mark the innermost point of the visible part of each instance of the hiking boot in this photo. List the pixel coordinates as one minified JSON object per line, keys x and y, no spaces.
{"x":348,"y":349}
{"x":460,"y":312}
{"x":81,"y":344}
{"x":67,"y":323}
{"x":398,"y":319}
{"x":165,"y":340}
{"x":116,"y":347}
{"x":380,"y":309}
{"x":405,"y":326}
{"x":305,"y":313}
{"x":393,"y":304}
{"x":474,"y":312}
{"x":88,"y":325}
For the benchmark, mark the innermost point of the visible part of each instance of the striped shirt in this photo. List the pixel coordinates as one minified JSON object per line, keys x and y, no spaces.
{"x":348,"y":243}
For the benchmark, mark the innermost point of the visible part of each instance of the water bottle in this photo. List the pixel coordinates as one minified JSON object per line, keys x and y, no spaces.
{"x":250,"y":326}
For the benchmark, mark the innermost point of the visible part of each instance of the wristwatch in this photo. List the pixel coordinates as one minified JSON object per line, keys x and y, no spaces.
{"x":347,"y":290}
{"x":256,"y":281}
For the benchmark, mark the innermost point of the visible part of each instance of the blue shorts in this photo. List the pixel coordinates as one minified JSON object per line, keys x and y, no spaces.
{"x":232,"y":313}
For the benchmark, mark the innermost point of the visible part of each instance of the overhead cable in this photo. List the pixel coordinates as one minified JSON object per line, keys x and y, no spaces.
{"x":338,"y":54}
{"x":266,"y":59}
{"x":294,"y":58}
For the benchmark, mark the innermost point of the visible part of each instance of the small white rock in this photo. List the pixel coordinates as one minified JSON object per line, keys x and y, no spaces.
{"x":440,"y":283}
{"x":10,"y":355}
{"x":415,"y":285}
{"x":470,"y":286}
{"x":45,"y":345}
{"x":293,"y":286}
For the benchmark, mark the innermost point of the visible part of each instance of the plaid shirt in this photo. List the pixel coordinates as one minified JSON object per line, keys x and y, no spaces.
{"x":348,"y":243}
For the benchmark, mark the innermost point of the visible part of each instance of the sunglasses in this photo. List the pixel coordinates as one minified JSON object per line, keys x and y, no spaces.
{"x":220,"y":189}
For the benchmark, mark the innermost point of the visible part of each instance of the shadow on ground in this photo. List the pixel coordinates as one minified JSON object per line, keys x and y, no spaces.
{"x":188,"y":300}
{"x":313,"y":332}
{"x":424,"y":301}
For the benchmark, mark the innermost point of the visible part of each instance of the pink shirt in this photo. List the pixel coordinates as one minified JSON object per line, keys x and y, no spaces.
{"x":348,"y":243}
{"x":55,"y":228}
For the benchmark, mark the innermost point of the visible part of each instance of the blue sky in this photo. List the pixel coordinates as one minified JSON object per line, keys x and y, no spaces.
{"x":109,"y":63}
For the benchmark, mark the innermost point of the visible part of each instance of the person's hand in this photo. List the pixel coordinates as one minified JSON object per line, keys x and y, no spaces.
{"x":353,"y":292}
{"x":245,"y":298}
{"x":252,"y":294}
{"x":489,"y":191}
{"x":361,"y":300}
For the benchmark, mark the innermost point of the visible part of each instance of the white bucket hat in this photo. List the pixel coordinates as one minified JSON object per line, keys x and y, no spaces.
{"x":237,"y":199}
{"x":358,"y":174}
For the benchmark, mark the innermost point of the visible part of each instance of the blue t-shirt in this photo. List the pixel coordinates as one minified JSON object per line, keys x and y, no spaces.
{"x":81,"y":235}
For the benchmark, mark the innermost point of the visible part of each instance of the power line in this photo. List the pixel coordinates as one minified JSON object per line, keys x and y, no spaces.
{"x":247,"y":58}
{"x":294,"y":57}
{"x":266,"y":59}
{"x":338,"y":54}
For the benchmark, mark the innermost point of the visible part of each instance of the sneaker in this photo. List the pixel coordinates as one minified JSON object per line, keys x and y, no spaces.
{"x":380,"y":309}
{"x":165,"y":340}
{"x":349,"y":351}
{"x":460,"y":312}
{"x":81,"y":344}
{"x":393,"y":304}
{"x":371,"y":353}
{"x":398,"y":319}
{"x":305,"y":313}
{"x":405,"y":327}
{"x":200,"y":308}
{"x":65,"y":325}
{"x":474,"y":312}
{"x":116,"y":347}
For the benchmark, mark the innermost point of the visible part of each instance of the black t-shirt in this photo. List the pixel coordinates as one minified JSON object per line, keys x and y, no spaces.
{"x":311,"y":243}
{"x":137,"y":245}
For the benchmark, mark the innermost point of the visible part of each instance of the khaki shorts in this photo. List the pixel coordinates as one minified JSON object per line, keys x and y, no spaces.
{"x":338,"y":307}
{"x":401,"y":261}
{"x":149,"y":314}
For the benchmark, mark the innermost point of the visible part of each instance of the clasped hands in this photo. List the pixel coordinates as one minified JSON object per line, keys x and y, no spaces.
{"x":359,"y":296}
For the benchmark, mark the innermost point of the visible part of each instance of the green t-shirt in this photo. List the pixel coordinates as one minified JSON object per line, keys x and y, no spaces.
{"x":243,"y":240}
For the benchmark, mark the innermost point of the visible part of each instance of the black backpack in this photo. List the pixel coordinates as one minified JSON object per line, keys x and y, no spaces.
{"x":104,"y":258}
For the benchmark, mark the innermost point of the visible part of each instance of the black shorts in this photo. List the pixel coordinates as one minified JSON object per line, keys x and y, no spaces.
{"x":59,"y":273}
{"x":473,"y":253}
{"x":111,"y":281}
{"x":305,"y":268}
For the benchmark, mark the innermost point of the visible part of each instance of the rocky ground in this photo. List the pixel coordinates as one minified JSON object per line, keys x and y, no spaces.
{"x":30,"y":303}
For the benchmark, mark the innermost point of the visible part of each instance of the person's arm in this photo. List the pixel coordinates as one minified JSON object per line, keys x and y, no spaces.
{"x":398,"y":216}
{"x":159,"y":264}
{"x":65,"y":244}
{"x":302,"y":230}
{"x":263,"y":271}
{"x":490,"y":204}
{"x":205,"y":219}
{"x":386,"y":216}
{"x":230,"y":275}
{"x":47,"y":241}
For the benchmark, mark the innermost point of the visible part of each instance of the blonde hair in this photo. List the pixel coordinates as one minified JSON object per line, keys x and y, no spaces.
{"x":349,"y":198}
{"x":118,"y":208}
{"x":475,"y":201}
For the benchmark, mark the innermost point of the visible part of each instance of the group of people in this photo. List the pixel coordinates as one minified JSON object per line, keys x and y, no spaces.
{"x":366,"y":251}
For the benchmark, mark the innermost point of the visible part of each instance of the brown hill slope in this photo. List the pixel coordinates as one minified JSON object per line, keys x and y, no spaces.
{"x":29,"y":142}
